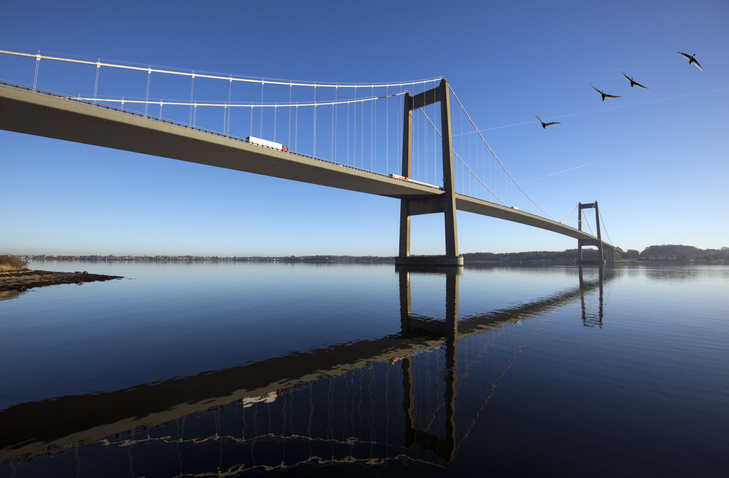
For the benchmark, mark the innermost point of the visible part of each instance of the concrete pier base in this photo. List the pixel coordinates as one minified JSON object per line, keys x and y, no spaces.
{"x":435,"y":261}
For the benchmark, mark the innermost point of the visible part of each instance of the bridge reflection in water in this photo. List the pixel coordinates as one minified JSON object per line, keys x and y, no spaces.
{"x":415,"y":396}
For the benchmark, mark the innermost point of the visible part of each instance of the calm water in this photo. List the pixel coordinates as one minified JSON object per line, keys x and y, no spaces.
{"x":241,"y":369}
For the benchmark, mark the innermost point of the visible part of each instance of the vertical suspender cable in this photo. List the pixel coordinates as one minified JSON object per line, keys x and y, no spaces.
{"x":415,"y":138}
{"x":146,"y":98}
{"x":354,"y":149}
{"x":96,"y":82}
{"x":192,"y":87}
{"x":260,"y":135}
{"x":372,"y":130}
{"x":398,"y":128}
{"x":227,"y":117}
{"x":288,"y":140}
{"x":425,"y":148}
{"x":37,"y":65}
{"x":336,"y":113}
{"x":296,"y":130}
{"x":387,"y":130}
{"x":417,"y":145}
{"x":375,"y":128}
{"x":331,"y":156}
{"x":470,"y":158}
{"x":314,"y":121}
{"x":275,"y":110}
{"x":479,"y":170}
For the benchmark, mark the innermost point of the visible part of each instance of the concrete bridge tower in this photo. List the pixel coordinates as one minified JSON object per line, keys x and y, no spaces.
{"x":606,"y":254}
{"x":445,"y":203}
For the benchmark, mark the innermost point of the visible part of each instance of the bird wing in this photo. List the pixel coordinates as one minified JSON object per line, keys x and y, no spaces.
{"x":596,"y":89}
{"x":540,"y":119}
{"x":626,"y":76}
{"x":638,"y":84}
{"x":553,"y":122}
{"x":684,"y":54}
{"x":697,"y":64}
{"x":611,"y":96}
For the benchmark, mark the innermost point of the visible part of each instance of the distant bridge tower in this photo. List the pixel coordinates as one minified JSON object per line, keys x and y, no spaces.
{"x":445,"y":203}
{"x":598,"y":243}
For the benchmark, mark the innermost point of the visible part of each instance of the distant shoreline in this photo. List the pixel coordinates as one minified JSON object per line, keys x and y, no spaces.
{"x":666,"y":252}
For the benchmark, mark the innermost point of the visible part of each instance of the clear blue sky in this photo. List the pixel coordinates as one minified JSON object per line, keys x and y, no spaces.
{"x":655,"y":159}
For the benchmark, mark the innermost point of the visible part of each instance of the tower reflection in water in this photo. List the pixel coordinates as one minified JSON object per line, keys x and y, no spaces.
{"x":415,"y":396}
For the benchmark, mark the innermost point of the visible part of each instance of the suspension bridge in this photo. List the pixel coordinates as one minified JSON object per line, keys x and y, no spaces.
{"x":412,"y":140}
{"x":369,"y":401}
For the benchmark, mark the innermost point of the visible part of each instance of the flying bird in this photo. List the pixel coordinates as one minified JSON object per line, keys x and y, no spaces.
{"x":604,"y":95}
{"x":691,"y":59}
{"x":544,"y":125}
{"x":632,"y":81}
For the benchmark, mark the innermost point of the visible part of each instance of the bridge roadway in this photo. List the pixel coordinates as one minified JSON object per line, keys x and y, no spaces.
{"x":60,"y":117}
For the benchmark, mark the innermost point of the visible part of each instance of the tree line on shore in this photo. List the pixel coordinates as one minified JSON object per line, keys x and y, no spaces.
{"x":683,"y":253}
{"x":667,"y":252}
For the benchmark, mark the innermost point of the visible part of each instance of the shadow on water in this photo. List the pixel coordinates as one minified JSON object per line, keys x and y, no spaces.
{"x":367,"y":402}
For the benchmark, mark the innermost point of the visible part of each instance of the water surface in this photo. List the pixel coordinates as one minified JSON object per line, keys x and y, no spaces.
{"x":230,"y":369}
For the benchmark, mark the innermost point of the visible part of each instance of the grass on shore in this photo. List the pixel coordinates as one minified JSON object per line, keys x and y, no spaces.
{"x":11,"y":263}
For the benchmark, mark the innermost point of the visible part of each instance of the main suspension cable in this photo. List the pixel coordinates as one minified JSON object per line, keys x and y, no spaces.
{"x":233,"y":105}
{"x":214,"y":76}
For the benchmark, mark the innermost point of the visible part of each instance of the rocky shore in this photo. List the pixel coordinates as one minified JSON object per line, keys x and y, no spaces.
{"x":20,"y":280}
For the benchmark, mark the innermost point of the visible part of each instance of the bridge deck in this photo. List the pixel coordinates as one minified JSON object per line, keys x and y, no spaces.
{"x":59,"y":117}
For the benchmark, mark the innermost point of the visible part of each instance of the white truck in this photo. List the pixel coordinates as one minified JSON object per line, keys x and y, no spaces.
{"x":266,"y":143}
